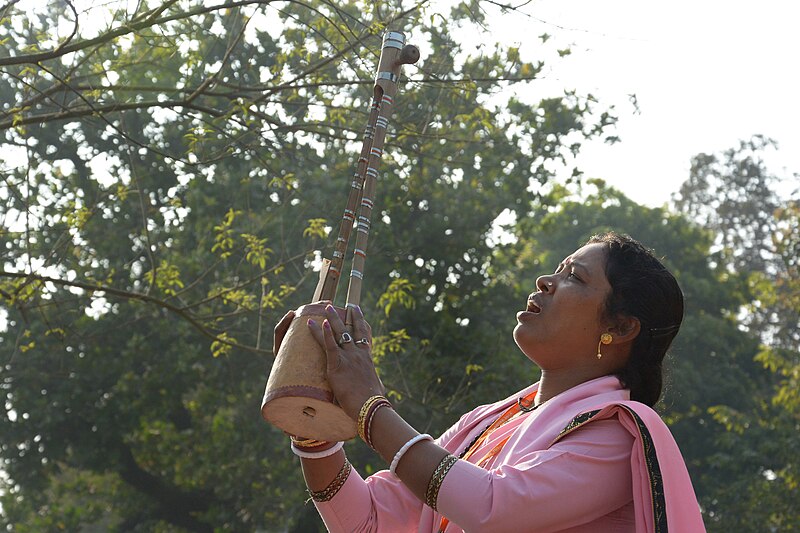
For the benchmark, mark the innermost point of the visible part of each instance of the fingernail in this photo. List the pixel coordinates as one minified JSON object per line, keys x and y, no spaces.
{"x":329,"y":308}
{"x":311,"y":322}
{"x":326,"y":324}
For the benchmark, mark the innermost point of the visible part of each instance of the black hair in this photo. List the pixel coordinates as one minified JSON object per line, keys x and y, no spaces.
{"x":642,"y":287}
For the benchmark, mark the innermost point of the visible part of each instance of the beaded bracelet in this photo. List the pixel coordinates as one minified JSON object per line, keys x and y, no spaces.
{"x":338,"y":482}
{"x":316,"y":455}
{"x":404,"y":448}
{"x":432,"y":494}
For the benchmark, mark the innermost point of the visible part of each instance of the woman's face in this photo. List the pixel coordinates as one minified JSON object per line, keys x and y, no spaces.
{"x":562,"y":323}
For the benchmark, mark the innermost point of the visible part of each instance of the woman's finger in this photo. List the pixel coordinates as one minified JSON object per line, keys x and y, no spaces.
{"x":280,"y":331}
{"x":335,"y":320}
{"x":361,"y":329}
{"x":324,"y":337}
{"x":316,"y":332}
{"x":331,"y":347}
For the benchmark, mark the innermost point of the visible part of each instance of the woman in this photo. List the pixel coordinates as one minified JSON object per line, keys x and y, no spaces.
{"x":579,"y":451}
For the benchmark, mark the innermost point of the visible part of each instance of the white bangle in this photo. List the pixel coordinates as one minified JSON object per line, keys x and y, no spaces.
{"x":403,"y":449}
{"x":317,"y":455}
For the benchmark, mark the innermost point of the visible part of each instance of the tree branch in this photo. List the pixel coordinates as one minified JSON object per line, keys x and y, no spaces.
{"x":208,"y":81}
{"x":149,"y":21}
{"x":74,"y":28}
{"x":181,"y":312}
{"x":7,"y":7}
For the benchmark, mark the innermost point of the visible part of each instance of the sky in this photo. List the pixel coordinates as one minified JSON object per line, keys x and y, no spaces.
{"x":706,"y":74}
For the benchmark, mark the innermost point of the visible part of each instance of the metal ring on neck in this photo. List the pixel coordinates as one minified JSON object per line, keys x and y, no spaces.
{"x":386,"y":76}
{"x":394,"y":39}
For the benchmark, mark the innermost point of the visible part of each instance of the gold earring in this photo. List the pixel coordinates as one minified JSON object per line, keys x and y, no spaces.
{"x":605,"y":338}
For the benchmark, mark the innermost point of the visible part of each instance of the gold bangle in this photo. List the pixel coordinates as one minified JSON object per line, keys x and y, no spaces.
{"x":307,"y":443}
{"x":369,"y":418}
{"x":432,"y":494}
{"x":362,"y":414}
{"x":330,"y":491}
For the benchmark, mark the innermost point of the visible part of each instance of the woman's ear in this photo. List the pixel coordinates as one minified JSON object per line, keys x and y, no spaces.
{"x":626,"y":329}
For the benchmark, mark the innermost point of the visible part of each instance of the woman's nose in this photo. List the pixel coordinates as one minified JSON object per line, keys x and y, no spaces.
{"x":544,"y":283}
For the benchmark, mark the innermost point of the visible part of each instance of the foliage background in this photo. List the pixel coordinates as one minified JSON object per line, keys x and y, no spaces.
{"x":171,"y":174}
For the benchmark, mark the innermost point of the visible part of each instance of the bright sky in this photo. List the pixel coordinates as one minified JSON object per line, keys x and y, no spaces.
{"x":706,"y":73}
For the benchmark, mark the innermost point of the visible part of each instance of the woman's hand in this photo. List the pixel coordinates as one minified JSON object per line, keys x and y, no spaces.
{"x":280,"y":331}
{"x":351,"y":373}
{"x":282,"y":327}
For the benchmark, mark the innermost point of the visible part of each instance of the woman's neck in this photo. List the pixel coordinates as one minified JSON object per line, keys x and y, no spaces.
{"x":554,"y":382}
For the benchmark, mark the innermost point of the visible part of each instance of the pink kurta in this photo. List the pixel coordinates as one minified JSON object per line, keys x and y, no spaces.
{"x":616,"y":469}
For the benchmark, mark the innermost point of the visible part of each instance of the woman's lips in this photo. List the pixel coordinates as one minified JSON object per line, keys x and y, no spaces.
{"x":531,"y":310}
{"x":533,"y":307}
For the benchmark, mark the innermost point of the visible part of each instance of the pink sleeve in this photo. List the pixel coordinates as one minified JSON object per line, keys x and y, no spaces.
{"x":583,"y":477}
{"x":381,"y":503}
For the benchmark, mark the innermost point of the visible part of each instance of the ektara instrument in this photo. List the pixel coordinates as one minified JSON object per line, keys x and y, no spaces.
{"x":298,"y":398}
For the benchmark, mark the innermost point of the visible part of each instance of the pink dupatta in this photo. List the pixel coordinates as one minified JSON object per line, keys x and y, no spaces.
{"x":663,"y":496}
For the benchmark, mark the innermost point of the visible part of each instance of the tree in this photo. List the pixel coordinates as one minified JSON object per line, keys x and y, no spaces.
{"x":171,"y":185}
{"x":756,"y":229}
{"x":734,"y":195}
